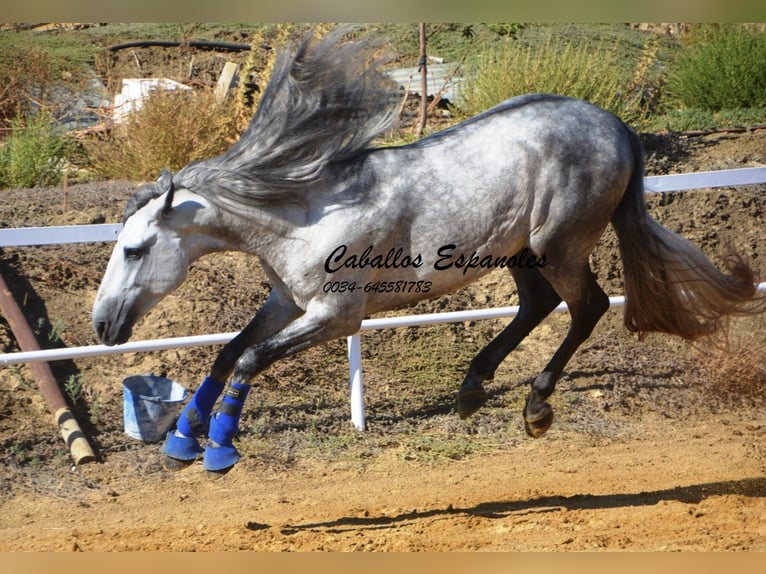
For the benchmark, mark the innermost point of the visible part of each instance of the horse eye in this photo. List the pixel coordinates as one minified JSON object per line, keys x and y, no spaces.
{"x":133,"y":253}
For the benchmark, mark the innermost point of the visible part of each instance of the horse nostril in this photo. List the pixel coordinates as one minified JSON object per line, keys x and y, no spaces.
{"x":101,"y":329}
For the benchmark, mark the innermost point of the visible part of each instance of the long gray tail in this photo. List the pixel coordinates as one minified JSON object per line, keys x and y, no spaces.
{"x":670,"y":285}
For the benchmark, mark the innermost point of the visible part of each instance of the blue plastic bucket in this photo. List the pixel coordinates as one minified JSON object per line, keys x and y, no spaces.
{"x":150,"y":405}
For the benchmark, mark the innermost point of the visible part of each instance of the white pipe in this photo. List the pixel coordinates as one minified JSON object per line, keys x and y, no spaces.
{"x":355,"y":375}
{"x":57,"y":235}
{"x":222,"y":338}
{"x":458,"y":316}
{"x":705,"y":179}
{"x":131,"y":347}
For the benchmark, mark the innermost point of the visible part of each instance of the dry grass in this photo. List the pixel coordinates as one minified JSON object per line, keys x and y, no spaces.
{"x":170,"y":130}
{"x":26,"y":81}
{"x":735,"y":370}
{"x":593,"y":72}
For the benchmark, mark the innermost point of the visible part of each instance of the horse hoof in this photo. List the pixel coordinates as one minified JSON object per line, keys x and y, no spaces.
{"x":216,"y":474}
{"x":174,"y":464}
{"x":184,"y":449}
{"x":470,"y":401}
{"x":537,"y":426}
{"x":219,"y":459}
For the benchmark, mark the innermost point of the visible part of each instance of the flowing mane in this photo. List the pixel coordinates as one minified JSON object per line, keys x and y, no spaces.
{"x":324,"y":104}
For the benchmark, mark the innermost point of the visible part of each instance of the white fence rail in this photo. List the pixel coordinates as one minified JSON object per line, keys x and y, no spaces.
{"x":36,"y":236}
{"x":32,"y":236}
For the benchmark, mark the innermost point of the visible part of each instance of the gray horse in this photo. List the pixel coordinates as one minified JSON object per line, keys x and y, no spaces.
{"x":343,"y":230}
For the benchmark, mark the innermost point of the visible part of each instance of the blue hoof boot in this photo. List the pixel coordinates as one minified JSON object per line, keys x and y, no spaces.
{"x":219,"y":458}
{"x":181,"y":447}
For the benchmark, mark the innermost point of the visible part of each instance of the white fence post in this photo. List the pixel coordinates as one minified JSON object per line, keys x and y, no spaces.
{"x":355,"y":375}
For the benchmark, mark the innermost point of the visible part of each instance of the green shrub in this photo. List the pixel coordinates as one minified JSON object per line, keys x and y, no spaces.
{"x":561,"y":66}
{"x":34,"y":154}
{"x":722,"y":67}
{"x":170,"y":129}
{"x":693,"y":119}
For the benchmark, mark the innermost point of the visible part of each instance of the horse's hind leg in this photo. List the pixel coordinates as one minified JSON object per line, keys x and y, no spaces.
{"x":537,"y":299}
{"x":587,"y":303}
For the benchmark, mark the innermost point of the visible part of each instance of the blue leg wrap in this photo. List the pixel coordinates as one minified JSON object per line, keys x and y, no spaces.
{"x":194,"y":417}
{"x":220,"y":452}
{"x":182,"y":444}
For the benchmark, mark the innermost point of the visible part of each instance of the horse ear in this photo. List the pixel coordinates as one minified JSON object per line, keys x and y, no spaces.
{"x":165,"y":185}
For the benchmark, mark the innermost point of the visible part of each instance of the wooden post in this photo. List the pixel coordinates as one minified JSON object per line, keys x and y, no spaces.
{"x":423,"y":81}
{"x":78,"y":445}
{"x":226,"y":81}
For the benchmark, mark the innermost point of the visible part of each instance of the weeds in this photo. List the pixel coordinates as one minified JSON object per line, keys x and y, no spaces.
{"x":73,"y":388}
{"x":19,"y":452}
{"x":731,"y":373}
{"x":694,"y":119}
{"x":93,"y":397}
{"x":26,"y":78}
{"x":13,"y":370}
{"x":716,"y":80}
{"x":31,"y":77}
{"x":433,"y":448}
{"x":721,"y":68}
{"x":169,"y":130}
{"x":55,"y":331}
{"x":34,"y":154}
{"x":21,"y":455}
{"x":560,"y":66}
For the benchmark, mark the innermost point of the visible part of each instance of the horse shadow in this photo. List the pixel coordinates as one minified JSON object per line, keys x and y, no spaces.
{"x":498,"y":390}
{"x":694,"y":494}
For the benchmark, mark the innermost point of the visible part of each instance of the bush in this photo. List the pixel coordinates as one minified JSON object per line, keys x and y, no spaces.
{"x":561,"y":66}
{"x":34,"y":154}
{"x":170,"y":129}
{"x":32,"y":77}
{"x":722,"y":67}
{"x":693,"y":119}
{"x":25,"y":75}
{"x":730,"y":374}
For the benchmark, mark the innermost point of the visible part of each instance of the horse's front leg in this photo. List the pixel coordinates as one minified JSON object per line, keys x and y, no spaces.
{"x":319,"y":324}
{"x":182,"y":446}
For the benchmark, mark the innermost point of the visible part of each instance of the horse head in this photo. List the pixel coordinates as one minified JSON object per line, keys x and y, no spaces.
{"x":159,"y":240}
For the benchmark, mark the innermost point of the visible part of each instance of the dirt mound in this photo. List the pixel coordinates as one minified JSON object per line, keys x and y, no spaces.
{"x":651,"y":449}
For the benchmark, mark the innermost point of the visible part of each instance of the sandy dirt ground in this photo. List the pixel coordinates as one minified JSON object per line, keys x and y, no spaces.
{"x":694,"y":485}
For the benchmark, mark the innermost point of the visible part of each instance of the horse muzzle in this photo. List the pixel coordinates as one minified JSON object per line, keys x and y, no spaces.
{"x":113,"y":323}
{"x":112,"y":334}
